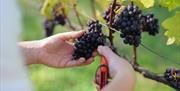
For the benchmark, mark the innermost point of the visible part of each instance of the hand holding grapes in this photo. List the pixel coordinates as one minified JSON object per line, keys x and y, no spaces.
{"x":54,"y":51}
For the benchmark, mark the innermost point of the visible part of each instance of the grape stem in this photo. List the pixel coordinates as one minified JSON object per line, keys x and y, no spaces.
{"x":68,"y":21}
{"x":134,"y":61}
{"x":112,"y":14}
{"x":77,"y":15}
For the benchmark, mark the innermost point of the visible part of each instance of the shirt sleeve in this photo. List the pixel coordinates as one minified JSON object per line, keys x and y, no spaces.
{"x":13,"y":73}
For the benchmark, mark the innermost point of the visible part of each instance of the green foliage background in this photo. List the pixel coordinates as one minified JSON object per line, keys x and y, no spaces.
{"x":81,"y":78}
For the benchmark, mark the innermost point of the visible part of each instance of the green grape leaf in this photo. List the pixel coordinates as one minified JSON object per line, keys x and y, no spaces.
{"x":138,"y":3}
{"x":103,"y":3}
{"x":147,"y":3}
{"x":170,"y":4}
{"x":122,"y":0}
{"x":173,"y":29}
{"x":170,"y":40}
{"x":47,"y":7}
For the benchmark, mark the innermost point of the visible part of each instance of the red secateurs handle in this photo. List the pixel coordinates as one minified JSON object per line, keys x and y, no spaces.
{"x":104,"y":72}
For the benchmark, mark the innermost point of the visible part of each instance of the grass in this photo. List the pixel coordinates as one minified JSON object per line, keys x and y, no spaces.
{"x":81,"y":78}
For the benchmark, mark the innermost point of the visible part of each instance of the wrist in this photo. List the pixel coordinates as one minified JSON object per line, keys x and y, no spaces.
{"x":31,"y":51}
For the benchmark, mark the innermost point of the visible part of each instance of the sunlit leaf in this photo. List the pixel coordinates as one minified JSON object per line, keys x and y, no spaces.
{"x":173,"y":28}
{"x":147,"y":3}
{"x":170,"y":4}
{"x":47,"y":7}
{"x":138,"y":3}
{"x":170,"y":40}
{"x":103,"y":3}
{"x":122,"y":0}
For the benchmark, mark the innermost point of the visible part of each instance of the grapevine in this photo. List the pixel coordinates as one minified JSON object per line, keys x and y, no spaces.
{"x":130,"y":21}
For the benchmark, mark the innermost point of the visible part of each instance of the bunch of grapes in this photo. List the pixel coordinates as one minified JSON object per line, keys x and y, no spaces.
{"x":86,"y":44}
{"x":128,"y":22}
{"x":107,"y":13}
{"x":149,"y":24}
{"x":58,"y":14}
{"x":49,"y":27}
{"x":131,"y":23}
{"x":58,"y":18}
{"x":172,"y":74}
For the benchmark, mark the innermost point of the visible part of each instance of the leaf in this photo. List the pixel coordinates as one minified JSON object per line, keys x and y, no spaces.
{"x":173,"y":28}
{"x":170,"y":4}
{"x":170,"y":40}
{"x":139,"y":4}
{"x":122,"y":1}
{"x":147,"y":3}
{"x":47,"y":7}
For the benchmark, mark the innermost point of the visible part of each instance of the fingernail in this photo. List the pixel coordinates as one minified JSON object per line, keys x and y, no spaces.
{"x":82,"y":59}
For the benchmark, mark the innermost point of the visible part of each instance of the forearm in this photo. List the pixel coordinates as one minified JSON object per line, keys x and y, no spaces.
{"x":30,"y":51}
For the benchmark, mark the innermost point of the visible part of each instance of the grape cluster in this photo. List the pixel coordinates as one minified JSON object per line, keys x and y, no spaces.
{"x":128,"y":22}
{"x":131,"y":23}
{"x":58,"y":14}
{"x":86,"y":44}
{"x":58,"y":18}
{"x":149,"y":24}
{"x":173,"y":76}
{"x":49,"y":27}
{"x":107,"y":13}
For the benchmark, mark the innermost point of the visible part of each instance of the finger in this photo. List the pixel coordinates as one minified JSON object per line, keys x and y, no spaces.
{"x":71,"y":35}
{"x":105,"y":51}
{"x":89,"y":61}
{"x":76,"y":62}
{"x":97,"y":87}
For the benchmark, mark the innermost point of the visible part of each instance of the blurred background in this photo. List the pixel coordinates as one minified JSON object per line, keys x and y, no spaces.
{"x":81,"y":78}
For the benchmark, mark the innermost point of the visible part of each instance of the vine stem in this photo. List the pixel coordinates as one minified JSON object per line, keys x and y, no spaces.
{"x":134,"y":61}
{"x":77,"y":15}
{"x":68,"y":20}
{"x":93,"y":8}
{"x":153,"y":76}
{"x":112,"y":13}
{"x":70,"y":25}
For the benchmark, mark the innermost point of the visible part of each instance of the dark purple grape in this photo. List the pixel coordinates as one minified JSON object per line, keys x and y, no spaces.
{"x":86,"y":44}
{"x":172,"y":75}
{"x":106,"y":14}
{"x":128,"y":23}
{"x":150,"y":24}
{"x":49,"y":27}
{"x":58,"y":13}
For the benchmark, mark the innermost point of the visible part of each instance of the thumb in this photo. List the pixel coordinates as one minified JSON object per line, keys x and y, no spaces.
{"x":106,"y":52}
{"x":71,"y":35}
